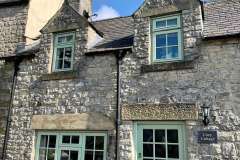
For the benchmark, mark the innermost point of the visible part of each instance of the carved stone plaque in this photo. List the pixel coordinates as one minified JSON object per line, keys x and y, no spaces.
{"x":160,"y":112}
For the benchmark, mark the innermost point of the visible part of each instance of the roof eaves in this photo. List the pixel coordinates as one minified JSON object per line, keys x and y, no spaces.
{"x":106,"y":50}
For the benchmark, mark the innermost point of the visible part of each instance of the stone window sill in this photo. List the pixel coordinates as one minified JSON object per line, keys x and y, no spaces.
{"x":59,"y":76}
{"x":170,"y":66}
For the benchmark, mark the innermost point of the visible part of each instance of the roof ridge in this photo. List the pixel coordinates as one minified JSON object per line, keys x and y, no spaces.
{"x":112,"y":18}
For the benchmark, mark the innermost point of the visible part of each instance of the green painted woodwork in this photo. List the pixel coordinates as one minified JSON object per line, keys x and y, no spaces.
{"x":158,"y":30}
{"x":63,"y":51}
{"x":66,"y":145}
{"x":166,"y":128}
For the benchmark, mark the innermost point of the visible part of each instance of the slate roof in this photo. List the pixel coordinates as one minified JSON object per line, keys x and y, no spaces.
{"x":117,"y":33}
{"x":222,"y":18}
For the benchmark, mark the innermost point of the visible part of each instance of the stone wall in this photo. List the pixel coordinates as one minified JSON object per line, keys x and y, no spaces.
{"x":12,"y":27}
{"x":213,"y":79}
{"x":90,"y":87}
{"x":6,"y":74}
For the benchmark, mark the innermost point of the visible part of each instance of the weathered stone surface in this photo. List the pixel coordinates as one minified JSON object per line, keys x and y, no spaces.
{"x":84,"y":121}
{"x":229,"y":150}
{"x":160,"y":112}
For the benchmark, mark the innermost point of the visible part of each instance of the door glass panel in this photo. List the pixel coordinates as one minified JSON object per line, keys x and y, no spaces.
{"x":172,"y":136}
{"x":160,"y":150}
{"x":147,"y":135}
{"x":161,"y":144}
{"x":159,"y":135}
{"x":65,"y":155}
{"x":173,"y":151}
{"x":148,"y":150}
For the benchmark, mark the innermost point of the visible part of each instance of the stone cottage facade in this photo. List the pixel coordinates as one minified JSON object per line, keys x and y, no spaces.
{"x":160,"y":84}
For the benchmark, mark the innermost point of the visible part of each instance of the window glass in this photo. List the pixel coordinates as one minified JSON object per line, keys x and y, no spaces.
{"x":64,"y":47}
{"x":94,"y":148}
{"x":47,"y":148}
{"x":167,"y":39}
{"x":160,"y":143}
{"x":70,"y":146}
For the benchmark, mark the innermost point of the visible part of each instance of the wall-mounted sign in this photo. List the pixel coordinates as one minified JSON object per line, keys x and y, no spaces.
{"x":207,"y":137}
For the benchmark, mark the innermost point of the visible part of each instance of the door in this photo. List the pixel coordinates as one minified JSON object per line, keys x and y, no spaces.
{"x":160,"y":142}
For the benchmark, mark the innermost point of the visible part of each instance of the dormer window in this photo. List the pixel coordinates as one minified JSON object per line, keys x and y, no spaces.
{"x":63,"y":51}
{"x":167,"y":39}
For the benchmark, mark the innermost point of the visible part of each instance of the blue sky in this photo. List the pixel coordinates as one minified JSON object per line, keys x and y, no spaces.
{"x":113,"y":8}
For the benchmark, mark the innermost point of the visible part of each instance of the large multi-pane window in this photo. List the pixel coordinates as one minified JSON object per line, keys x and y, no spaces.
{"x":63,"y":51}
{"x":167,"y":39}
{"x":71,"y":146}
{"x":160,"y":142}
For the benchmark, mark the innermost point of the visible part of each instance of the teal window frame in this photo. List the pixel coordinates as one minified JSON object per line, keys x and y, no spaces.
{"x":138,"y":138}
{"x":73,"y":147}
{"x":64,"y":45}
{"x":164,"y":31}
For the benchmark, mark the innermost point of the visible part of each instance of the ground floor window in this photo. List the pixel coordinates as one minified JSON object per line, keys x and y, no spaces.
{"x":71,"y":146}
{"x":160,"y":141}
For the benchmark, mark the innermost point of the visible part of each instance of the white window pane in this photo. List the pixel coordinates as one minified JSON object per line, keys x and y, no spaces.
{"x":172,"y":22}
{"x":161,"y":40}
{"x":161,"y":24}
{"x":173,"y":52}
{"x":161,"y":53}
{"x":172,"y":39}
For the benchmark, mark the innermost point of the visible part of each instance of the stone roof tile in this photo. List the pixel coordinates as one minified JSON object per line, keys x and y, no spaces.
{"x":222,"y":18}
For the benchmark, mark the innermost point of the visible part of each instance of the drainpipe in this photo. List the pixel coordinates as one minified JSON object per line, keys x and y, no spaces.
{"x":17,"y":61}
{"x":119,"y":56}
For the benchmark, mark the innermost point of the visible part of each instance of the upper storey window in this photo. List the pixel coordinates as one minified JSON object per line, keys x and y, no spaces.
{"x":167,"y":39}
{"x":63,"y":52}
